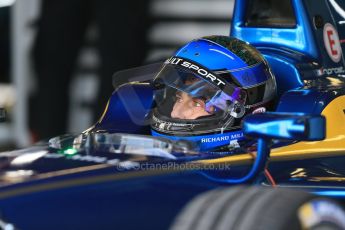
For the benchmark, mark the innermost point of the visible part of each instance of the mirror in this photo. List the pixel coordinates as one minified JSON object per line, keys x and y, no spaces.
{"x":285,"y":126}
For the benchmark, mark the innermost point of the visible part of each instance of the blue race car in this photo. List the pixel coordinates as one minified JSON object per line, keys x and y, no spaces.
{"x":172,"y":131}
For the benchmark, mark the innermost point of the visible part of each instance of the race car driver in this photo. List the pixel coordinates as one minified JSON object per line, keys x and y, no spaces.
{"x":188,"y":107}
{"x":205,"y":89}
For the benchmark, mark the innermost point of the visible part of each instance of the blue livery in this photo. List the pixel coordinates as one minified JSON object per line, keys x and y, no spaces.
{"x":115,"y":175}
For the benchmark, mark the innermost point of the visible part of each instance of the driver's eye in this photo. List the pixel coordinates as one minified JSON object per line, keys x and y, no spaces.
{"x":198,"y":103}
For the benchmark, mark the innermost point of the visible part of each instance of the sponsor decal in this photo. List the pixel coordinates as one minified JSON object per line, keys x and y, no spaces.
{"x":332,"y":43}
{"x":209,"y":142}
{"x":200,"y":71}
{"x":335,"y":70}
{"x":234,"y":144}
{"x":222,"y":138}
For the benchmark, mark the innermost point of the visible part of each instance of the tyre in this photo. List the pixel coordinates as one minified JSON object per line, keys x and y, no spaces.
{"x":247,"y":208}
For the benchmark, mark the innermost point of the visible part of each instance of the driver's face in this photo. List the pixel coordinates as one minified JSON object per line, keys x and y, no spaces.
{"x":187,"y":107}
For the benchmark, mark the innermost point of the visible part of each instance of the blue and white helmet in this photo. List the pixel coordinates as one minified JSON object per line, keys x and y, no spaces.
{"x":232,"y":78}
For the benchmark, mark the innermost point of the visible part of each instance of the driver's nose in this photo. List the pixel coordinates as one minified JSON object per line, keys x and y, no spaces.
{"x":181,"y":111}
